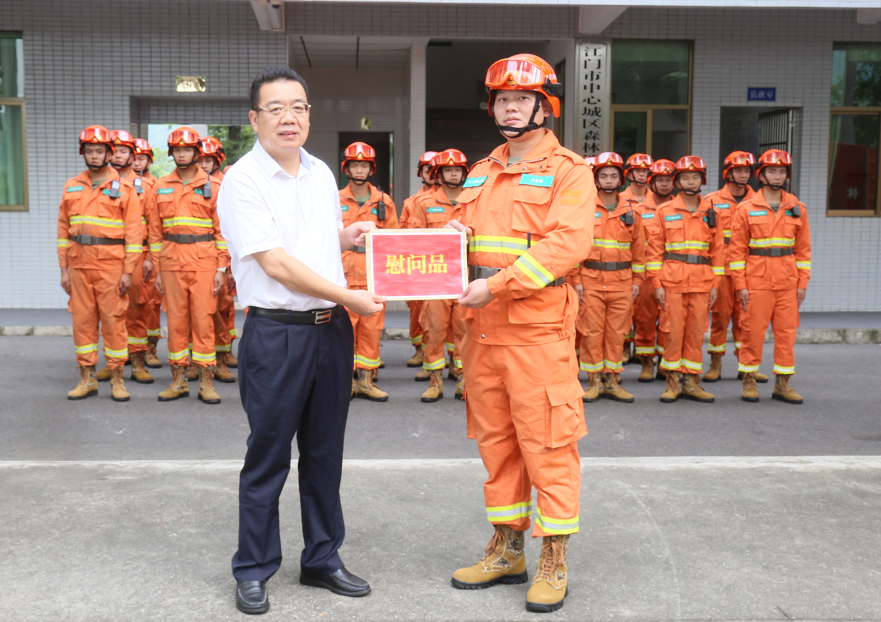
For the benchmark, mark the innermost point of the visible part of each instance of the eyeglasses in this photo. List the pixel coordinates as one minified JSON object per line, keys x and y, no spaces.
{"x":298,"y":110}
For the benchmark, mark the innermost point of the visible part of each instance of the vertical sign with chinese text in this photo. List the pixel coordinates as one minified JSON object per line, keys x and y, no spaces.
{"x":593,"y":99}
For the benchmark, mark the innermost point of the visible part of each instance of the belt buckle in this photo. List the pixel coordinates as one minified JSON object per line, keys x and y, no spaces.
{"x":85,"y":239}
{"x":323,"y":316}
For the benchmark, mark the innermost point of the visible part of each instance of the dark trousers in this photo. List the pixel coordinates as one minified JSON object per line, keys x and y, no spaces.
{"x":294,"y":380}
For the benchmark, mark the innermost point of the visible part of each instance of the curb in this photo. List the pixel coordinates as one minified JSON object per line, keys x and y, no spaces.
{"x":860,"y":336}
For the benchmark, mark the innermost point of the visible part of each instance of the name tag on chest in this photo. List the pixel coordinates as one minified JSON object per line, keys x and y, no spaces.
{"x":540,"y":181}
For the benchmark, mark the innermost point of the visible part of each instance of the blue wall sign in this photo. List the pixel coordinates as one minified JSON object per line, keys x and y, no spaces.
{"x":761,"y":95}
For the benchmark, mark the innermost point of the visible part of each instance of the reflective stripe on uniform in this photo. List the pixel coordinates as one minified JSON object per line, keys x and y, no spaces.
{"x":613,"y":365}
{"x":115,"y":353}
{"x":137,"y":341}
{"x":91,"y":347}
{"x":450,"y":346}
{"x":638,"y":268}
{"x":415,"y":341}
{"x":784,"y":371}
{"x":534,"y":270}
{"x":134,"y":248}
{"x":366,"y":361}
{"x":154,"y":332}
{"x":497,"y":244}
{"x":505,"y":513}
{"x":692,"y":245}
{"x":179,"y":356}
{"x":200,"y":356}
{"x":223,"y":348}
{"x":719,"y":270}
{"x":96,"y":220}
{"x":737,"y":265}
{"x":63,"y":243}
{"x":220,"y":245}
{"x":611,"y":244}
{"x":747,"y":369}
{"x":232,"y":333}
{"x":433,"y":365}
{"x":187,"y":221}
{"x":769,"y":242}
{"x":156,"y":248}
{"x":803,"y":265}
{"x":556,"y":525}
{"x":692,"y":365}
{"x":654,"y":265}
{"x":591,"y":368}
{"x":645,"y":350}
{"x":712,"y":348}
{"x":673,"y":365}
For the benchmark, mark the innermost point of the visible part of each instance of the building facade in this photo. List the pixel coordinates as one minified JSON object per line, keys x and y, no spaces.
{"x":689,"y":77}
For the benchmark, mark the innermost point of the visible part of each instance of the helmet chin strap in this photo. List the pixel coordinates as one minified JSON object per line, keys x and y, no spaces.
{"x":119,"y":167}
{"x":517,"y":132}
{"x":691,"y":193}
{"x":638,"y":183}
{"x":184,"y":167}
{"x":610,"y":190}
{"x":730,"y":180}
{"x":763,"y":181}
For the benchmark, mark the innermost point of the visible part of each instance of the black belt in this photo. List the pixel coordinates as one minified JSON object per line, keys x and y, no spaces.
{"x":771,"y":252}
{"x":91,"y":240}
{"x":188,"y":238}
{"x":359,"y":249}
{"x":727,"y":240}
{"x":482,"y":272}
{"x":686,"y":258}
{"x":608,"y":266}
{"x":316,"y":316}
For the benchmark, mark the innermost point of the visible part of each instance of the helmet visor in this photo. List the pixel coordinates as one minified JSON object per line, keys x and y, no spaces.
{"x":777,"y":157}
{"x":640,"y":160}
{"x":741,"y":159}
{"x":183,"y":137}
{"x":510,"y":74}
{"x":691,"y":163}
{"x":95,"y":135}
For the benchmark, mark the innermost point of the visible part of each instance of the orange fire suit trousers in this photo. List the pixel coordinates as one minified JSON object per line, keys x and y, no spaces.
{"x":685,"y":320}
{"x":190,"y":301}
{"x":604,"y":318}
{"x":136,"y":318}
{"x":727,"y":308}
{"x":646,"y":313}
{"x":223,"y":336}
{"x":527,"y":427}
{"x":443,"y":324}
{"x":367,"y":331}
{"x":152,"y":308}
{"x":779,"y":308}
{"x":94,"y":297}
{"x":416,"y":332}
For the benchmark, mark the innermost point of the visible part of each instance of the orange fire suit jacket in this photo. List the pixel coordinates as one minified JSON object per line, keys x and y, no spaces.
{"x":175,"y":208}
{"x":433,"y":210}
{"x":684,"y":233}
{"x":355,"y":264}
{"x":726,"y":206}
{"x":614,"y":241}
{"x":534,"y":220}
{"x":757,"y":226}
{"x":408,"y":206}
{"x":628,"y":194}
{"x":84,"y":211}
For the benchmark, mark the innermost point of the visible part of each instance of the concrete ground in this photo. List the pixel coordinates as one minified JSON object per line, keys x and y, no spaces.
{"x":721,"y":512}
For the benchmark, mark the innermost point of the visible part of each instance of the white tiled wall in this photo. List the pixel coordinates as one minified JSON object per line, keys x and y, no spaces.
{"x":86,"y":60}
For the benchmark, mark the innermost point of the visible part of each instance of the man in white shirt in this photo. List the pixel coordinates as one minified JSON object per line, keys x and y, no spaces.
{"x":280,"y":214}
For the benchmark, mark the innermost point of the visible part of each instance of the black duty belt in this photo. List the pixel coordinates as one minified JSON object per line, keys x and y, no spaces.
{"x":92,"y":240}
{"x":359,"y":249}
{"x":727,"y":240}
{"x":607,"y":266}
{"x":686,"y":258}
{"x":482,"y":272}
{"x":771,"y":252}
{"x":316,"y":316}
{"x":187,"y":238}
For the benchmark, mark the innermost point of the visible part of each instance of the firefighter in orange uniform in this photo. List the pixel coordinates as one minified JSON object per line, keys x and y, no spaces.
{"x":685,"y":261}
{"x":434,"y":210}
{"x":100,"y":237}
{"x":736,"y":170}
{"x":637,"y":170}
{"x":361,"y":201}
{"x":213,"y":156}
{"x":424,"y":172}
{"x":141,"y":167}
{"x":610,"y":280}
{"x":573,"y":279}
{"x":190,"y":256}
{"x":529,"y":210}
{"x":770,"y":255}
{"x":649,"y":340}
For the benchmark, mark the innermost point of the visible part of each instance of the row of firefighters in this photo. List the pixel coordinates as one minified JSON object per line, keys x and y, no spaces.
{"x":659,"y":262}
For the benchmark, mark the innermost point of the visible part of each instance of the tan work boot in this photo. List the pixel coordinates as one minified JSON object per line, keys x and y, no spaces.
{"x":222,"y":373}
{"x":118,"y":392}
{"x":550,"y":586}
{"x":151,"y":360}
{"x":503,"y":562}
{"x":785,"y":393}
{"x":87,"y":386}
{"x":139,"y":371}
{"x":626,"y":354}
{"x":715,"y":371}
{"x":692,"y":390}
{"x":460,"y":387}
{"x":758,"y":377}
{"x":647,"y":374}
{"x":435,"y":390}
{"x":192,"y":370}
{"x":365,"y":388}
{"x":422,"y":375}
{"x":750,"y":393}
{"x":453,"y":372}
{"x":594,"y":388}
{"x":673,"y":389}
{"x":103,"y":374}
{"x":612,"y":389}
{"x":416,"y":360}
{"x":231,"y":361}
{"x":178,"y":388}
{"x":207,"y":394}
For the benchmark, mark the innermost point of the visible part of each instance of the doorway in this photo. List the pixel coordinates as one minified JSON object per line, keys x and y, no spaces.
{"x":383,"y":144}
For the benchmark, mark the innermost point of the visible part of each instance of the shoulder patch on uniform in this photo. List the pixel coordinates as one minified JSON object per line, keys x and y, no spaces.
{"x":165,"y":191}
{"x":473,"y":182}
{"x":540,"y":181}
{"x":759,"y":212}
{"x":721,"y":205}
{"x":75,"y":189}
{"x":673,"y":217}
{"x":435,"y":210}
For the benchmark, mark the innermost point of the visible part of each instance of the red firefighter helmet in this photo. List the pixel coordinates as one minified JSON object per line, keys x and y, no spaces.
{"x":524,"y":72}
{"x":96,"y":135}
{"x":121,"y":138}
{"x":610,"y":158}
{"x":426,"y":158}
{"x":591,"y":161}
{"x":737,"y":159}
{"x":689,"y":164}
{"x":775,"y":157}
{"x":359,"y":152}
{"x":142,"y":147}
{"x":449,"y":157}
{"x":185,"y":136}
{"x":639,"y":160}
{"x":211,"y":146}
{"x":662,"y":167}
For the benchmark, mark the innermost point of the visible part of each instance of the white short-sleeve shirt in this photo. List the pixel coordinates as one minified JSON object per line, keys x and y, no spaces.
{"x":262,"y":207}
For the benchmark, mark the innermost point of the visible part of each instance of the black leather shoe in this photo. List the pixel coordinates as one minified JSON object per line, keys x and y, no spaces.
{"x":251,"y":597}
{"x":340,"y":582}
